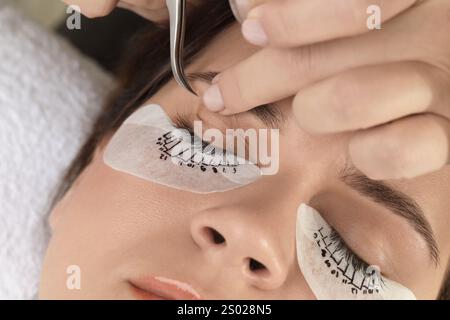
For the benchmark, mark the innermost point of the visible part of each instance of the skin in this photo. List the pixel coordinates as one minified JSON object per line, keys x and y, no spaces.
{"x":389,"y":84}
{"x":117,"y":227}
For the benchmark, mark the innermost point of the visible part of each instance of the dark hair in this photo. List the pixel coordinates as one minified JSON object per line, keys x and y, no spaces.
{"x":144,"y":70}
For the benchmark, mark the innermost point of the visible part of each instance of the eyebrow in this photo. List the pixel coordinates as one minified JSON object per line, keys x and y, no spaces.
{"x":268,"y":114}
{"x":396,"y":201}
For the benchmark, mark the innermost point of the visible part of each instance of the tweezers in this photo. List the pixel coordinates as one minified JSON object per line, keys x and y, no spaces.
{"x":177,"y":15}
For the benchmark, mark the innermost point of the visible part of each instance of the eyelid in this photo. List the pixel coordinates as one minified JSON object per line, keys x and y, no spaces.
{"x":362,"y":247}
{"x":396,"y":201}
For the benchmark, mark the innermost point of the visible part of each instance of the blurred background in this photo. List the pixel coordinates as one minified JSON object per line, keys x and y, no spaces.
{"x":103,"y":39}
{"x":47,"y":12}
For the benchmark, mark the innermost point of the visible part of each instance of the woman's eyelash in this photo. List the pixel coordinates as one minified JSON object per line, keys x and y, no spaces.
{"x":342,"y":248}
{"x":182,"y":122}
{"x":345,"y":265}
{"x":191,"y":151}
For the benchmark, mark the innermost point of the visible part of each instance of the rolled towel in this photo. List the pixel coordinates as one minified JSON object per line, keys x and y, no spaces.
{"x":49,"y":97}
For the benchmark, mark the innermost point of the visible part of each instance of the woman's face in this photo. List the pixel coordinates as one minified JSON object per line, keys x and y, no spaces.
{"x":123,"y":231}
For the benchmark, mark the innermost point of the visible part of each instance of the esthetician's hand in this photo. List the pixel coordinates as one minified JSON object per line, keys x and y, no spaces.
{"x":390,"y":88}
{"x":154,"y":10}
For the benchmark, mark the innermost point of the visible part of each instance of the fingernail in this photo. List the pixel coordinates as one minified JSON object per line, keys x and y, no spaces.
{"x":240,"y":9}
{"x":254,"y":32}
{"x":212,"y":99}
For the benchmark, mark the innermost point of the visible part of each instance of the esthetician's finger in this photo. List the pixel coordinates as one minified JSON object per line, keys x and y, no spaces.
{"x":274,"y":74}
{"x":369,"y":96}
{"x":405,"y":148}
{"x":242,"y":7}
{"x":289,"y":23}
{"x":93,"y":9}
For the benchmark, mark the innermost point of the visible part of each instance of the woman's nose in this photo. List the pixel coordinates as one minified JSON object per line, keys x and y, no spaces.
{"x":243,"y":243}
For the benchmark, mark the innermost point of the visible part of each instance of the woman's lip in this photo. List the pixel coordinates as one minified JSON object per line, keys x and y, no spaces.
{"x":140,"y":294}
{"x":159,"y":288}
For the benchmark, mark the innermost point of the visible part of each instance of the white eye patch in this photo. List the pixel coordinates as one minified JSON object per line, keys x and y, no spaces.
{"x":327,"y":270}
{"x":150,"y":147}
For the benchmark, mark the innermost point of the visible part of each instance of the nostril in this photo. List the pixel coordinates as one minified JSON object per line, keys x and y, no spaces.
{"x":217,"y":237}
{"x":214,"y":235}
{"x":256,"y":266}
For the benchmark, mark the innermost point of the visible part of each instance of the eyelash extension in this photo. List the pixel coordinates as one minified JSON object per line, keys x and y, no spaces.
{"x":205,"y":153}
{"x":345,"y":265}
{"x":181,"y":122}
{"x":352,"y":258}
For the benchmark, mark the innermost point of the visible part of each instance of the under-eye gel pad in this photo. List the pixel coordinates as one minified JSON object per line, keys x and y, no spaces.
{"x":150,"y":147}
{"x":327,"y":269}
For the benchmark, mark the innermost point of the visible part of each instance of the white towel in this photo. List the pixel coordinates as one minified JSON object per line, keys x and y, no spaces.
{"x":49,"y":97}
